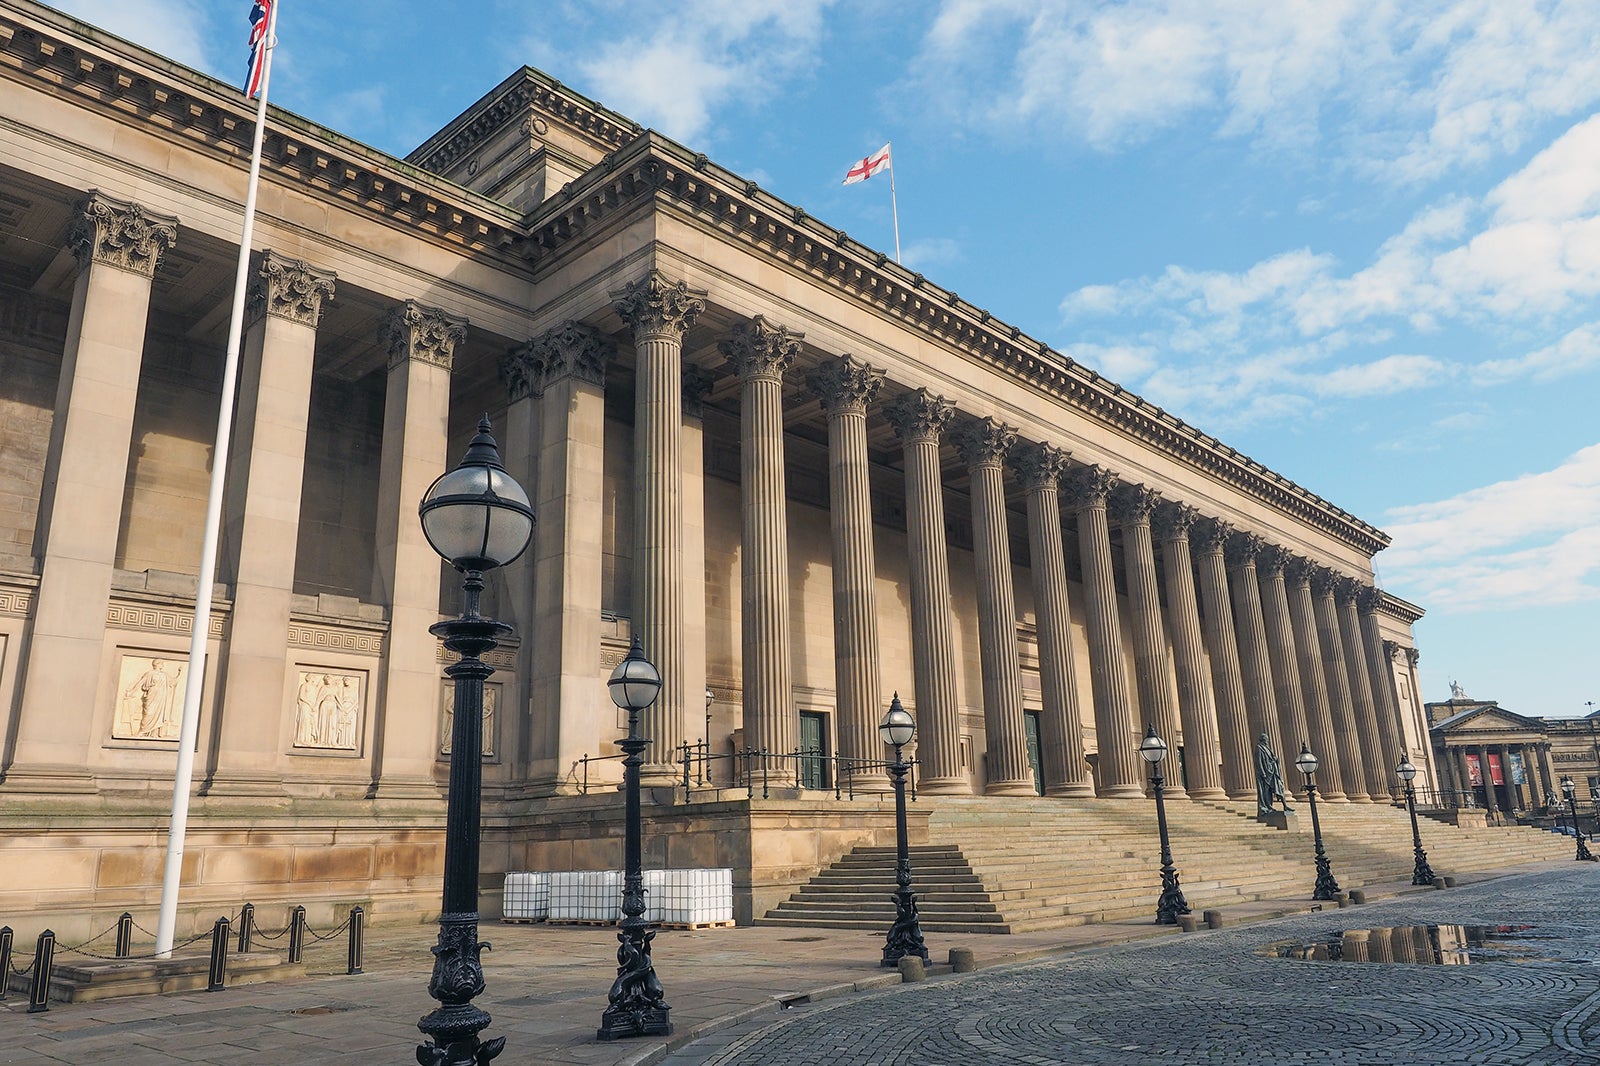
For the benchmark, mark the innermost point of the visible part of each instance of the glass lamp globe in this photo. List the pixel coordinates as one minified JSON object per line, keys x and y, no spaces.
{"x":1405,"y":770}
{"x":1152,"y":747}
{"x":476,"y":516}
{"x":1306,"y":762}
{"x":636,"y":682}
{"x":897,"y":727}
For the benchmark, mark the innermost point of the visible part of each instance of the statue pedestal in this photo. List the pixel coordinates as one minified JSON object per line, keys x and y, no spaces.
{"x":1285,"y":820}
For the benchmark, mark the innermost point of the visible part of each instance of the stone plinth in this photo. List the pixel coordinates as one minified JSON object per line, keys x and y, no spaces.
{"x":1288,"y":821}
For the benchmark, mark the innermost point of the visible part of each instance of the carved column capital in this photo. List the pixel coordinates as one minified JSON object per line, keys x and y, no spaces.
{"x":1243,"y":548}
{"x":573,"y":349}
{"x":1133,"y":504}
{"x":1324,"y":582}
{"x":1391,"y":650}
{"x":1413,"y":656}
{"x":984,"y":442}
{"x":1369,"y":598}
{"x":291,"y":289}
{"x":1271,"y":559}
{"x":1173,"y":520}
{"x":426,"y":334}
{"x":1039,"y":466}
{"x":919,"y":415}
{"x":1210,"y":534}
{"x":758,"y":350}
{"x":1087,"y":486}
{"x":120,"y":234}
{"x":1346,"y":590}
{"x":657,"y":306}
{"x":845,"y":384}
{"x":1298,"y":570}
{"x":520,"y":373}
{"x":697,"y":382}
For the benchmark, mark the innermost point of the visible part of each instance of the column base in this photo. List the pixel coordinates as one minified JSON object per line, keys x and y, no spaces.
{"x":1075,"y":790}
{"x":1333,"y":797}
{"x":1122,"y":792}
{"x":1358,"y":797}
{"x":944,"y":786}
{"x":242,"y":784}
{"x":1010,"y":788}
{"x":1243,"y":794}
{"x":1198,"y":794}
{"x":407,"y":788}
{"x":50,"y":780}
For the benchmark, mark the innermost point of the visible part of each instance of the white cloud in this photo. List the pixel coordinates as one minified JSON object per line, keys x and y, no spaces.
{"x":1574,"y":353}
{"x":1391,"y":374}
{"x":931,"y":252}
{"x":1120,"y":363}
{"x":173,"y":28}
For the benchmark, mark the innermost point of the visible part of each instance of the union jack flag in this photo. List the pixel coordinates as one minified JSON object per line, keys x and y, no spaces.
{"x":260,"y":21}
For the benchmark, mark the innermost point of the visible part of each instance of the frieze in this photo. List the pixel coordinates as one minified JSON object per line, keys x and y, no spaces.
{"x":17,"y":602}
{"x":154,"y":618}
{"x":120,"y":234}
{"x":321,"y":636}
{"x":501,"y":658}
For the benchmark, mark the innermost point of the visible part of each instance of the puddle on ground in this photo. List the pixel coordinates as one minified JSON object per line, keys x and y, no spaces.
{"x":1422,"y":945}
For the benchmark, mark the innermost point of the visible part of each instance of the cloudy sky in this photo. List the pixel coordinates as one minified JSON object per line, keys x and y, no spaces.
{"x":1357,"y":239}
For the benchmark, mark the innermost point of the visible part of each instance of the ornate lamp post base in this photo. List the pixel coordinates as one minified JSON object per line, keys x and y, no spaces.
{"x":1584,"y":854}
{"x":1327,"y":886}
{"x":1171,"y":904}
{"x":636,"y":1007}
{"x":905,"y":935}
{"x":454,"y":1026}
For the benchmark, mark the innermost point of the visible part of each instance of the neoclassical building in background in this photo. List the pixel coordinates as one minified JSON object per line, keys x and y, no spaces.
{"x":806,"y":477}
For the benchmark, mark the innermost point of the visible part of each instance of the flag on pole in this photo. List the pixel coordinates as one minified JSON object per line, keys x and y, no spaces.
{"x":260,"y":20}
{"x":865,"y":168}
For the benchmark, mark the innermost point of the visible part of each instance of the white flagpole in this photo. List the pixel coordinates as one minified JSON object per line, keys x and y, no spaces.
{"x":894,"y":204}
{"x":182,"y":780}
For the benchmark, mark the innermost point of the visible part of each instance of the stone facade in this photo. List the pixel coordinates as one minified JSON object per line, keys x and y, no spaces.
{"x":806,"y":477}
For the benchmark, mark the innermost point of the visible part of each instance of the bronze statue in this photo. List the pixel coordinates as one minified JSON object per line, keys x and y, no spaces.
{"x":1269,"y":779}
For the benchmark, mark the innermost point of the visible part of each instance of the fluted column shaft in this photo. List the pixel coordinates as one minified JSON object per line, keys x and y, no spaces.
{"x":1196,"y":709}
{"x":760,"y":353}
{"x":1255,"y":661}
{"x":846,"y":387}
{"x":984,"y":445}
{"x":1376,"y":773}
{"x":659,"y":312}
{"x":1117,"y":737}
{"x":1382,"y":678}
{"x":1346,"y":725}
{"x":918,"y":418}
{"x":1227,"y":680}
{"x":1286,"y":686}
{"x":1152,"y":665}
{"x":1314,"y":686}
{"x":1066,"y":772}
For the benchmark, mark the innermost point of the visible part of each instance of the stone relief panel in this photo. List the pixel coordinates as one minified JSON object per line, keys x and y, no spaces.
{"x":149,"y":698}
{"x":330,"y":706}
{"x":447,"y":722}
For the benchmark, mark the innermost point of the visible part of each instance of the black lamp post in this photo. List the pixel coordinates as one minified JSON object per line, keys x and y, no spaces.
{"x":1570,"y":790}
{"x":1171,"y":904}
{"x":1327,"y":887}
{"x":905,"y":935}
{"x":636,"y":1006}
{"x":477,"y":518}
{"x":1421,"y":872}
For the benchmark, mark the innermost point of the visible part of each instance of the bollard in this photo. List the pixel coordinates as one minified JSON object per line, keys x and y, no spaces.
{"x":5,"y":958}
{"x":1343,"y":899}
{"x":1440,"y":883}
{"x":217,"y":978}
{"x":124,"y":935}
{"x":1357,"y":896}
{"x":44,"y":963}
{"x":1188,"y":923}
{"x":912,"y":970}
{"x":1449,"y":882}
{"x":247,"y":927}
{"x":297,"y":934}
{"x":1213,"y":919}
{"x":962,"y":960}
{"x":357,"y":938}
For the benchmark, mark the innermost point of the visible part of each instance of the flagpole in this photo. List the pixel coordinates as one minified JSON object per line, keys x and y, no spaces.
{"x":894,"y":204}
{"x":201,"y":629}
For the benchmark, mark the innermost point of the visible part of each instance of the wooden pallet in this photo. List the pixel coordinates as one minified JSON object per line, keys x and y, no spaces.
{"x":521,"y":921}
{"x":726,"y":923}
{"x":582,"y":921}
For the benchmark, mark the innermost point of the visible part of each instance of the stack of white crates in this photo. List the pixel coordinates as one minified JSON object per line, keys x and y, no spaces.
{"x":689,"y":897}
{"x":586,"y":896}
{"x":527,"y":897}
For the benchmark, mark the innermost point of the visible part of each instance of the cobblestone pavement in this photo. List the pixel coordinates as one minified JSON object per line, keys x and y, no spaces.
{"x":1211,"y":998}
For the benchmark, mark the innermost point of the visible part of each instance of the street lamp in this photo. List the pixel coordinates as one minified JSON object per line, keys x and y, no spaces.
{"x":1570,"y":790}
{"x":477,"y":518}
{"x":1327,"y":887}
{"x":1171,"y":904}
{"x":636,"y":1006}
{"x":905,"y":935}
{"x":1421,"y":873}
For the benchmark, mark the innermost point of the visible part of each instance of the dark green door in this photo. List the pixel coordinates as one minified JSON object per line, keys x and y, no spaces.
{"x":813,"y":770}
{"x":1030,"y":720}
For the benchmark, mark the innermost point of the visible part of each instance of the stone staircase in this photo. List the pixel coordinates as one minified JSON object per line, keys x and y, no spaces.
{"x":1009,"y":865}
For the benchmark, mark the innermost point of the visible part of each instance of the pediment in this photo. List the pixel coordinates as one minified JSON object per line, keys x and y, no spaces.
{"x":1490,"y":720}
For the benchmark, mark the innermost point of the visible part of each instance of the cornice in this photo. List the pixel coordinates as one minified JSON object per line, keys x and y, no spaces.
{"x":653,"y":169}
{"x":1395,"y":607}
{"x":104,"y":73}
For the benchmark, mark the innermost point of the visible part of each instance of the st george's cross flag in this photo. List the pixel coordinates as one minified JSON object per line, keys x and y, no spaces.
{"x":260,"y":22}
{"x":866,"y":168}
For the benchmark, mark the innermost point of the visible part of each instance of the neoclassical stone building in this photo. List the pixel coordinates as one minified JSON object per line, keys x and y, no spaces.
{"x":806,"y":477}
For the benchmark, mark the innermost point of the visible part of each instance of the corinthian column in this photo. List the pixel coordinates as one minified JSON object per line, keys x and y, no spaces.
{"x":845,"y":387}
{"x":1375,"y":772}
{"x":658,"y":312}
{"x":760,"y":353}
{"x":1255,"y":661}
{"x":1286,"y":686}
{"x":118,"y":246}
{"x":918,"y":419}
{"x":1346,"y":728}
{"x":1314,"y":686}
{"x":984,"y":445}
{"x":1227,"y":681}
{"x":1131,"y":506}
{"x":1066,"y":772}
{"x":1116,"y":735}
{"x":1382,"y":677}
{"x":1202,"y":757}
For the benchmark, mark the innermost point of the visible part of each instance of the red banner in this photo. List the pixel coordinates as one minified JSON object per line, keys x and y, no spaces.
{"x":1496,"y":774}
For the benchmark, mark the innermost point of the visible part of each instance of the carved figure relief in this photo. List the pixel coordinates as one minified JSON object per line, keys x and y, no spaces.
{"x":448,"y":724}
{"x":149,"y":699}
{"x":328,"y":710}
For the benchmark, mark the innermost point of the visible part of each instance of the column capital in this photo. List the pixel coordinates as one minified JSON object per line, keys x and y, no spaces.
{"x":1299,"y":571}
{"x":1087,"y":486}
{"x":572,"y":349}
{"x":426,"y":334}
{"x":760,"y":351}
{"x":1132,"y":505}
{"x":1324,"y":582}
{"x":1039,"y":466}
{"x":1210,"y":534}
{"x":1346,"y":590}
{"x":919,"y":416}
{"x":1271,"y":559}
{"x":519,"y":372}
{"x":291,"y":289}
{"x":654,"y":305}
{"x":845,"y":385}
{"x":1369,"y":598}
{"x":120,"y":234}
{"x":984,"y":442}
{"x":1391,"y":650}
{"x":697,"y":382}
{"x":1242,"y":548}
{"x":1413,"y":656}
{"x":1173,"y":520}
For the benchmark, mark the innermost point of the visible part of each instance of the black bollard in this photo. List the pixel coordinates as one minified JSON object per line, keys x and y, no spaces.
{"x":247,"y":927}
{"x":124,"y":935}
{"x":44,"y":962}
{"x":297,"y":934}
{"x":358,"y":919}
{"x":5,"y":958}
{"x":217,"y":978}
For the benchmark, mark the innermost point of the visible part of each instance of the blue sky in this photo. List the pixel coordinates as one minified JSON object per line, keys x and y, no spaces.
{"x":1359,"y":240}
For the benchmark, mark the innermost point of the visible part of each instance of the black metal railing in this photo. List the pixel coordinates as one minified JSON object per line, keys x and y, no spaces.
{"x":756,"y":769}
